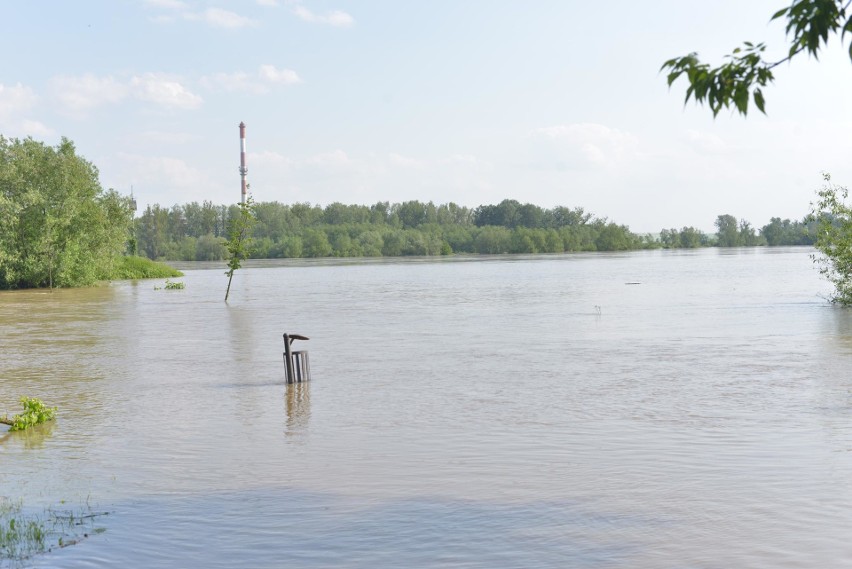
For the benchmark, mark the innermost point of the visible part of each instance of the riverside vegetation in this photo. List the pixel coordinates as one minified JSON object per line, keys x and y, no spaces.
{"x":24,"y":534}
{"x":58,"y":227}
{"x":197,"y":232}
{"x":742,"y":77}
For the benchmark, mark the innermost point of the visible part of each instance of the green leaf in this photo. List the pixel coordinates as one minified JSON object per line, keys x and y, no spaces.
{"x":779,"y":13}
{"x":759,"y":102}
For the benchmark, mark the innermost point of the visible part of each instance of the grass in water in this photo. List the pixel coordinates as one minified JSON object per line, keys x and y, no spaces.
{"x":24,"y":535}
{"x":171,"y":285}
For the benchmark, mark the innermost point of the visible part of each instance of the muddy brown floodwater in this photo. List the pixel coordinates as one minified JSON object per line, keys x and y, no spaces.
{"x":464,"y":412}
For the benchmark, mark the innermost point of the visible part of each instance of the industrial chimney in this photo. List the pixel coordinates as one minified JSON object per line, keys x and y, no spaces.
{"x":243,"y":169}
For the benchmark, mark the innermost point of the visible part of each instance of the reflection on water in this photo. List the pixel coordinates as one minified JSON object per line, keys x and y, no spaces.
{"x":484,"y":412}
{"x":298,"y":406}
{"x":31,"y":438}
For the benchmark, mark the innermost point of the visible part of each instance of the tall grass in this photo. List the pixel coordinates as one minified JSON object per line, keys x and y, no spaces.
{"x":24,"y":535}
{"x":131,"y":267}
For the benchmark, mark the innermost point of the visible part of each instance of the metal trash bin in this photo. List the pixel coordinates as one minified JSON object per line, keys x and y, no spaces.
{"x":297,"y":363}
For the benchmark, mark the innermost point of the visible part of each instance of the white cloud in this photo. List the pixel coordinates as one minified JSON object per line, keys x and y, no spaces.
{"x":233,"y":82}
{"x":36,"y":129}
{"x":214,"y":17}
{"x":163,"y":174}
{"x":163,"y":19}
{"x":271,"y":74}
{"x":14,"y":101}
{"x":161,"y":138}
{"x":164,"y":91}
{"x":366,"y":178}
{"x":260,"y":83}
{"x":167,"y":4}
{"x":336,"y":18}
{"x":219,"y":18}
{"x":81,"y":94}
{"x":706,"y":143}
{"x":581,"y":145}
{"x":405,"y":161}
{"x":15,"y":98}
{"x":268,"y":2}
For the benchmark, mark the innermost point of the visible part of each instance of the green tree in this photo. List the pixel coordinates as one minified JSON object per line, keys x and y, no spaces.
{"x":315,"y":243}
{"x":748,"y":238}
{"x":834,"y":239}
{"x":240,"y":239}
{"x":210,"y":248}
{"x":742,"y":77}
{"x":613,"y":237}
{"x":58,"y":228}
{"x":786,"y":232}
{"x":728,"y":234}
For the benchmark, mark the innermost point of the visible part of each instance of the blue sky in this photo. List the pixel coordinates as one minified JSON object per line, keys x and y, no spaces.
{"x":554,"y":102}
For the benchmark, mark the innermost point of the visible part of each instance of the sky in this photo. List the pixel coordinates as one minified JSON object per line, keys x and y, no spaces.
{"x":552,"y":102}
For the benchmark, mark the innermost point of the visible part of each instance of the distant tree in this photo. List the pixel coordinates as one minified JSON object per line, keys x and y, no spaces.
{"x":492,"y":240}
{"x":747,"y":237}
{"x":529,"y":215}
{"x":728,"y":231}
{"x":684,"y":238}
{"x":412,"y":214}
{"x":786,"y":232}
{"x":561,"y":216}
{"x":315,"y":243}
{"x":613,"y":237}
{"x":379,"y":213}
{"x":503,"y":214}
{"x":210,"y":248}
{"x":733,"y":84}
{"x":454,"y":214}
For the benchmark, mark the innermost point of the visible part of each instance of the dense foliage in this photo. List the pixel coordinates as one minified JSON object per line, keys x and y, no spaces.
{"x":57,"y":225}
{"x":834,"y":239}
{"x":734,"y":83}
{"x":196,"y":232}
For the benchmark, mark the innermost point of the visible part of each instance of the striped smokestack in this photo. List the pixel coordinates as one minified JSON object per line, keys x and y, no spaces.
{"x":243,"y":169}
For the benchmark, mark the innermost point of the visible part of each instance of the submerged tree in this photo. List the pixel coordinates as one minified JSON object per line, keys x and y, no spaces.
{"x":239,"y":239}
{"x":57,"y":225}
{"x":35,"y":412}
{"x":834,"y":239}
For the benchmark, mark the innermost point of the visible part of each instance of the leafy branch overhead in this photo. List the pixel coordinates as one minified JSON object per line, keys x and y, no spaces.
{"x":742,"y":77}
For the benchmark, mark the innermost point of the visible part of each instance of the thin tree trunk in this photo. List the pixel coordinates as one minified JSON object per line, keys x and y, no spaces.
{"x":228,"y":290}
{"x":6,"y":421}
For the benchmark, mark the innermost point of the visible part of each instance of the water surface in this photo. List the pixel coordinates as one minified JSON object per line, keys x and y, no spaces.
{"x":487,"y":412}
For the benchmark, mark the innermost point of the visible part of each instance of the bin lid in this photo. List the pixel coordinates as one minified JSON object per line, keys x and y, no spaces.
{"x":297,"y":337}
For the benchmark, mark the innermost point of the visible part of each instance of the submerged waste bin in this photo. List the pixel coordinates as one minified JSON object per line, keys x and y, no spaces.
{"x":297,"y":363}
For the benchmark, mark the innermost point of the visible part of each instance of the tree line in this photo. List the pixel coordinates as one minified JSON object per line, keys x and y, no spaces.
{"x":197,"y":231}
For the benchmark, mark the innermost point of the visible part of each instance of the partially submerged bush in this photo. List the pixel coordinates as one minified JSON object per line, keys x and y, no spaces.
{"x":132,"y":267}
{"x":35,"y":412}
